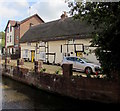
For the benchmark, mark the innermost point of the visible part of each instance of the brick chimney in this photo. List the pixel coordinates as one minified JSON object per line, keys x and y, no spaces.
{"x":64,"y":15}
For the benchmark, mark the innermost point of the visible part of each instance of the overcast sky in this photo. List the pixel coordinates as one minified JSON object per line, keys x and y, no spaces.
{"x":18,"y":10}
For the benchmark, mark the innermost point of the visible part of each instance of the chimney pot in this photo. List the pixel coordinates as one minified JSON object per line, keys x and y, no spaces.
{"x":64,"y":15}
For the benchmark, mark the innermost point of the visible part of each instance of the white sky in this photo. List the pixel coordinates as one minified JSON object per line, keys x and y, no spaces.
{"x":18,"y":10}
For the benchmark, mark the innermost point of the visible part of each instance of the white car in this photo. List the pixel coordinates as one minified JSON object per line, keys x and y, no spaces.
{"x":82,"y":65}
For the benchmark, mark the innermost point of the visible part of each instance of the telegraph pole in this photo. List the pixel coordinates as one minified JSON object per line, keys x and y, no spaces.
{"x":29,"y":10}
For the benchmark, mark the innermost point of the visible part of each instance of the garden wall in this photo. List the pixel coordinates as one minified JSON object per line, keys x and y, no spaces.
{"x":82,"y":88}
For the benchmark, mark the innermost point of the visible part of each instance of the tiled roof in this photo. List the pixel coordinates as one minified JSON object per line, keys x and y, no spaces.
{"x":13,"y":22}
{"x":30,"y":18}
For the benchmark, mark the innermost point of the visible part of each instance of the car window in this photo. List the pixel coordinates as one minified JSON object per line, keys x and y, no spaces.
{"x":78,"y":60}
{"x":70,"y":58}
{"x":86,"y":60}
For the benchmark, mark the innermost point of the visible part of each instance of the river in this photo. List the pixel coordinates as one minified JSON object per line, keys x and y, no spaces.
{"x":19,"y":96}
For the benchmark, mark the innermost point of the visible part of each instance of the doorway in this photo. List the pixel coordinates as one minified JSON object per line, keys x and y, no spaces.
{"x":32,"y":55}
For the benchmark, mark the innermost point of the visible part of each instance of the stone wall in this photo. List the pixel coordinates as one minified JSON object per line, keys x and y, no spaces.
{"x":82,"y":88}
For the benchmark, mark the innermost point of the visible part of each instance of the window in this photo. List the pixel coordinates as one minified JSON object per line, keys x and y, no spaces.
{"x":10,"y":38}
{"x":42,"y":43}
{"x":26,"y":53}
{"x":7,"y":38}
{"x":10,"y":28}
{"x":71,"y":41}
{"x":78,"y":60}
{"x":71,"y":58}
{"x":12,"y":50}
{"x":61,"y":49}
{"x":8,"y":50}
{"x":17,"y":38}
{"x":29,"y":44}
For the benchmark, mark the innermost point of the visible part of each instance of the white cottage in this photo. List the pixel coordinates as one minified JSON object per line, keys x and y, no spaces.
{"x":53,"y":40}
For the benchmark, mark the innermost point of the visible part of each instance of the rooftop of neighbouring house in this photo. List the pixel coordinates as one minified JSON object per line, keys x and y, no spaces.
{"x":13,"y":22}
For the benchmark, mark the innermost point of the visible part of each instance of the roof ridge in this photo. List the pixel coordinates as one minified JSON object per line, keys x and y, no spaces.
{"x":51,"y":22}
{"x":30,"y":17}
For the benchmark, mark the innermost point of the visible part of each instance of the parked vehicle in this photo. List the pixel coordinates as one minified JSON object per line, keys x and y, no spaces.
{"x":82,"y":65}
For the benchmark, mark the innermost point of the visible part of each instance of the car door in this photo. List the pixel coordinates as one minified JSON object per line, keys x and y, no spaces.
{"x":79,"y":64}
{"x":71,"y":60}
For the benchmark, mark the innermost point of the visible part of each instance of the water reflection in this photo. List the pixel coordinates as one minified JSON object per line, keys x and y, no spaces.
{"x":19,"y":96}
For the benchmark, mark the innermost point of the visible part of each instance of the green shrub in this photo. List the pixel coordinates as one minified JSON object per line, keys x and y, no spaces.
{"x":43,"y":70}
{"x":57,"y":72}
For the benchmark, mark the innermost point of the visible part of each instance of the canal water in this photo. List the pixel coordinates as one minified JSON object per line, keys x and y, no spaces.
{"x":17,"y":96}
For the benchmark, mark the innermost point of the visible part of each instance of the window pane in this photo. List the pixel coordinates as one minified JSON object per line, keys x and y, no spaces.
{"x":8,"y":30}
{"x":78,"y":60}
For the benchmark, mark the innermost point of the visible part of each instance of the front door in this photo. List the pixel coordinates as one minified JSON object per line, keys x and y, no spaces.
{"x":79,"y":54}
{"x":32,"y":56}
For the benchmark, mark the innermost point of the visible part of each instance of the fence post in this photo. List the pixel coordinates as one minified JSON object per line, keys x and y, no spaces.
{"x":18,"y":63}
{"x":5,"y":62}
{"x":67,"y":70}
{"x":38,"y":65}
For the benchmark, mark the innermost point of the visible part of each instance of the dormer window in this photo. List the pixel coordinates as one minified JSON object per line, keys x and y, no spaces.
{"x":28,"y":43}
{"x":71,"y":41}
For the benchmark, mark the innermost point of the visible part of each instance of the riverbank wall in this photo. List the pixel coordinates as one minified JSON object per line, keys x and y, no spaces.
{"x":82,"y":88}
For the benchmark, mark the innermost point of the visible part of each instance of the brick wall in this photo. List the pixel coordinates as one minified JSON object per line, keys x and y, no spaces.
{"x":26,"y":25}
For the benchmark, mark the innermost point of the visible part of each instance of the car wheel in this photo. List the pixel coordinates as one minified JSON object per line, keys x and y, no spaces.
{"x":88,"y":70}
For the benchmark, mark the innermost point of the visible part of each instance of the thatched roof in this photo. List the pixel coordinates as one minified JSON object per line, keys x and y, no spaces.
{"x":58,"y":30}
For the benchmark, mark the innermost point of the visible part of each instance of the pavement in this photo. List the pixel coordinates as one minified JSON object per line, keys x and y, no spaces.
{"x":51,"y":69}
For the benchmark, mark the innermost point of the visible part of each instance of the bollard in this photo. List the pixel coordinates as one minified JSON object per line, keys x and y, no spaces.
{"x":67,"y":70}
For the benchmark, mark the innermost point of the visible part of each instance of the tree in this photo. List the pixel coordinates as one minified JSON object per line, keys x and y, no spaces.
{"x":105,"y":18}
{"x":3,"y":39}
